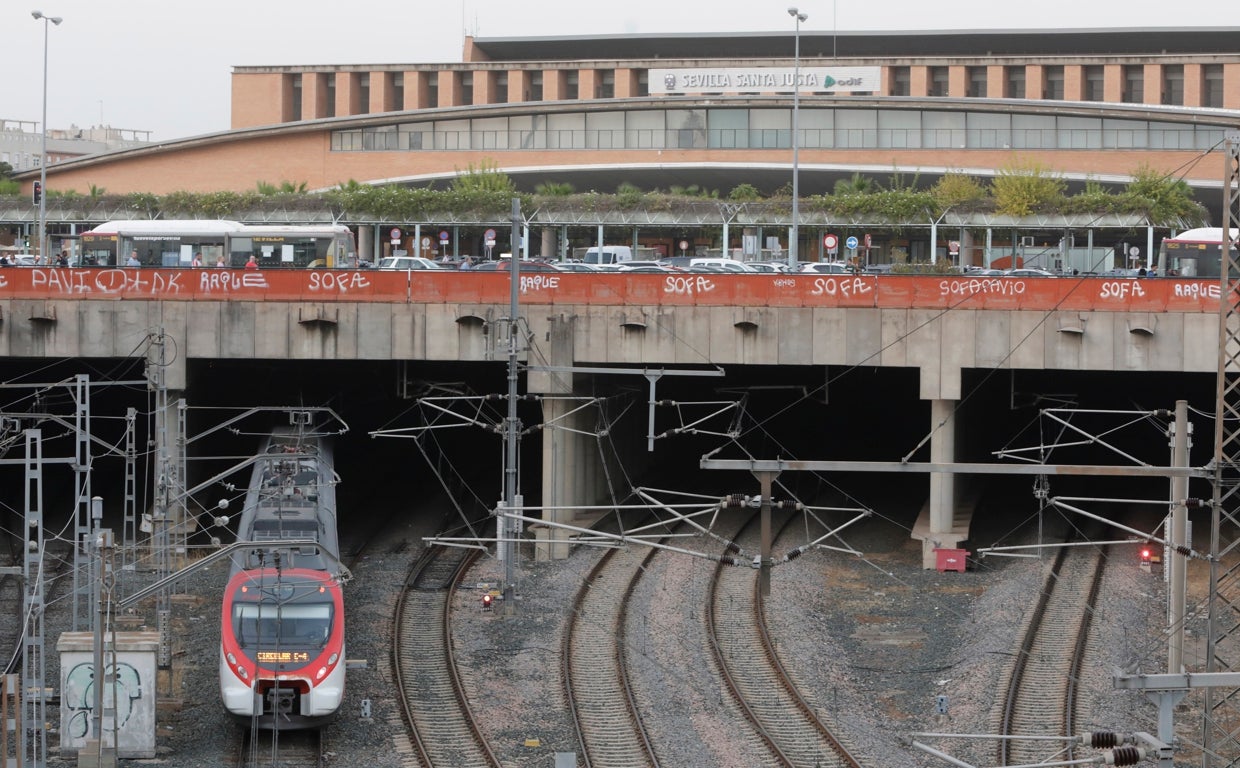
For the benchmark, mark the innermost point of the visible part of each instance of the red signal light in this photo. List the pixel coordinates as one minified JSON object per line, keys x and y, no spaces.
{"x":1145,"y":554}
{"x":486,"y":601}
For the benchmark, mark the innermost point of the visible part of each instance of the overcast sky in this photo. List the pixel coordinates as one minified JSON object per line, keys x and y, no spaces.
{"x":164,"y":66}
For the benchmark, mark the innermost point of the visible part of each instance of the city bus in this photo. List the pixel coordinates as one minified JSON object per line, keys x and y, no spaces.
{"x":1195,"y":253}
{"x":177,"y":243}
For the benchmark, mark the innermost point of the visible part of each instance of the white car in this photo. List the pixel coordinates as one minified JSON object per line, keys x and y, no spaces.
{"x":826,"y":268}
{"x":402,"y":263}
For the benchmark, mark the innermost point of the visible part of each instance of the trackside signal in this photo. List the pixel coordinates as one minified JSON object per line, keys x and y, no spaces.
{"x":38,"y":192}
{"x":487,"y":600}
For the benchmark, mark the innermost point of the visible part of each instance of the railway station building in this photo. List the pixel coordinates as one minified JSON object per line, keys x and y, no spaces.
{"x":711,"y":112}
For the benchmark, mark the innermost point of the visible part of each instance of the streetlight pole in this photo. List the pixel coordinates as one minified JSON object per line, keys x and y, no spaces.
{"x":38,"y":15}
{"x":794,"y":237}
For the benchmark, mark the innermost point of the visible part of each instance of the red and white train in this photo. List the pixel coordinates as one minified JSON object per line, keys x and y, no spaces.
{"x":282,"y":662}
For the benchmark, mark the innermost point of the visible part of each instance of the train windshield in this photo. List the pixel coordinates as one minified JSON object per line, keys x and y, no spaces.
{"x":283,"y":625}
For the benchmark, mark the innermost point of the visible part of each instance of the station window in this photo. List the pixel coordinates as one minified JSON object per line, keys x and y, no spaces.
{"x":977,"y":82}
{"x":572,"y":83}
{"x":1173,"y":84}
{"x":361,"y":105}
{"x":1014,"y":82}
{"x":900,"y":81}
{"x":938,"y":81}
{"x":398,"y":90}
{"x":1094,"y":77}
{"x":536,"y":86}
{"x":1052,"y":87}
{"x":328,"y":106}
{"x":499,"y":93}
{"x":294,"y":110}
{"x":1134,"y":84}
{"x":1212,"y":85}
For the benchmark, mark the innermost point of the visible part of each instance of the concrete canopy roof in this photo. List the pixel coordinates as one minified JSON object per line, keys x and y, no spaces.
{"x":818,"y":44}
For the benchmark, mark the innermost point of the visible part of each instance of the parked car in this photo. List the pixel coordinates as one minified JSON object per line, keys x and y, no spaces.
{"x":646,"y":266}
{"x":727,"y":265}
{"x":1028,"y":272}
{"x":826,"y":268}
{"x":402,"y":263}
{"x":503,"y":265}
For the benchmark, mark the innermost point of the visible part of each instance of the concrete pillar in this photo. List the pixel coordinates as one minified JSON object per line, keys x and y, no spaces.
{"x":547,"y":250}
{"x":561,"y":450}
{"x":366,"y":243}
{"x":937,"y":525}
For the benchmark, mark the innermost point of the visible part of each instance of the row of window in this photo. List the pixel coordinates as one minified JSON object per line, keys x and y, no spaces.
{"x":771,"y":129}
{"x":1014,"y":84}
{"x":1093,"y":82}
{"x":570,"y":89}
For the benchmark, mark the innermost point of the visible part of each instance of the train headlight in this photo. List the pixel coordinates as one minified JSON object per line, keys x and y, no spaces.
{"x":242,"y":673}
{"x":322,"y":671}
{"x":332,"y":658}
{"x":232,"y":660}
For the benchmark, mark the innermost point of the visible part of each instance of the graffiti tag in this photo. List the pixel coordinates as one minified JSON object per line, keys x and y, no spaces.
{"x":999,"y":286}
{"x":539,"y":282}
{"x":215,"y":281}
{"x":840,"y":286}
{"x":330,"y":281}
{"x":688,"y":286}
{"x":108,"y":281}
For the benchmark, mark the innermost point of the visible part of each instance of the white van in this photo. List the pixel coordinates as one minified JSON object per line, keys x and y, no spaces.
{"x":609,"y":254}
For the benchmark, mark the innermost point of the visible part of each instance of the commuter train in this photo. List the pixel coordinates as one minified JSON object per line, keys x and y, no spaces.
{"x":282,"y":663}
{"x":217,"y":242}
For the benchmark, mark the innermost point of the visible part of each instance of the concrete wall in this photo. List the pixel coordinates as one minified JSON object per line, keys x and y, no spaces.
{"x":939,"y":344}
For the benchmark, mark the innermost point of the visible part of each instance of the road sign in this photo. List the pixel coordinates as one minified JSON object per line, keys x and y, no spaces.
{"x":684,"y":245}
{"x":489,"y":234}
{"x":443,"y":236}
{"x":867,"y":239}
{"x":851,"y":242}
{"x":953,"y":247}
{"x":426,"y":242}
{"x":395,"y":233}
{"x":832,"y":242}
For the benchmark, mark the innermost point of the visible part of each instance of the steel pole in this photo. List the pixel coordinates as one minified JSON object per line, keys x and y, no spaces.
{"x":795,"y":235}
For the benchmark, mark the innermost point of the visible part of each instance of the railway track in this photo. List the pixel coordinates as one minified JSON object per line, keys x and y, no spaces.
{"x":1042,"y":690}
{"x":596,"y":679}
{"x":281,"y":749}
{"x":443,"y":729}
{"x":754,"y":676}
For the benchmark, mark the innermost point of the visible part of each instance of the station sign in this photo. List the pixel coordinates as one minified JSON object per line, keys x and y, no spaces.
{"x":699,"y":80}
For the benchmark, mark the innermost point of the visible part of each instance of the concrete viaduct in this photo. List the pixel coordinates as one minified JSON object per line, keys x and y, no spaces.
{"x":938,"y":325}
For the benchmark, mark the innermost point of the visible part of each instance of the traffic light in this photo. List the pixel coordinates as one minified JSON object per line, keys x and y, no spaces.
{"x":38,"y":192}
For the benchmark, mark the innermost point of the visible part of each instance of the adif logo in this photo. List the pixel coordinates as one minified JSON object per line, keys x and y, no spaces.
{"x":669,"y":81}
{"x":827,"y":81}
